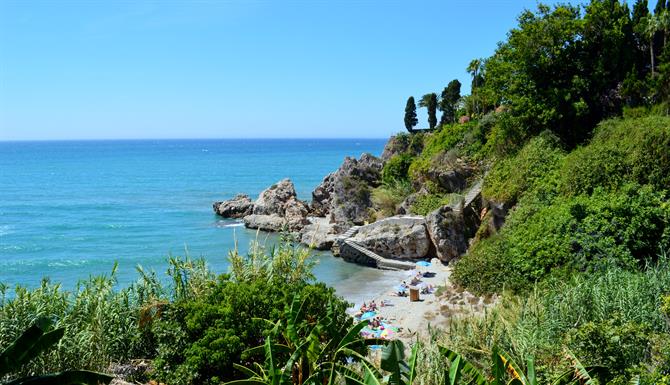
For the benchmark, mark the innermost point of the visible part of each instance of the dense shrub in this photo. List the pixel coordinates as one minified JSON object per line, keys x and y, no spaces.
{"x":583,"y":233}
{"x":621,"y":151}
{"x":103,"y":325}
{"x":436,"y":144}
{"x":535,"y":164}
{"x":387,"y":197}
{"x":424,"y":204}
{"x":200,"y":339}
{"x":395,"y":169}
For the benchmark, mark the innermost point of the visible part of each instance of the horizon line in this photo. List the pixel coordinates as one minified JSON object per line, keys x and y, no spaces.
{"x":167,"y":139}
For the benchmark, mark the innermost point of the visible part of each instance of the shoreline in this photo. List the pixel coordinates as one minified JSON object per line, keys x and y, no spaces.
{"x":411,"y":318}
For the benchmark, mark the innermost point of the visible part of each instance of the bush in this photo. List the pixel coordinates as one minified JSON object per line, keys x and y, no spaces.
{"x":386,"y":198}
{"x":395,"y":169}
{"x":583,"y":233}
{"x":102,"y":325}
{"x":200,"y":340}
{"x":533,"y":167}
{"x":621,"y":151}
{"x":424,"y":204}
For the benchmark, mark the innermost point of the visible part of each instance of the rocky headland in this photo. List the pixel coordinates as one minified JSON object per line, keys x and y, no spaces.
{"x":342,"y":215}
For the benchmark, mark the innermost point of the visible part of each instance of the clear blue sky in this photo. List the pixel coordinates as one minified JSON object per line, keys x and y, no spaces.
{"x":224,"y":69}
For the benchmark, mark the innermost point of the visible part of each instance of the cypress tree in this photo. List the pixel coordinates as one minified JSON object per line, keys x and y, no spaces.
{"x":448,"y":100}
{"x":410,"y":114}
{"x":432,"y":111}
{"x":660,"y":6}
{"x":640,"y":11}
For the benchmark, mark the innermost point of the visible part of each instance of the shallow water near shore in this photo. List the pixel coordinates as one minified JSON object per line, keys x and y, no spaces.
{"x":71,"y":209}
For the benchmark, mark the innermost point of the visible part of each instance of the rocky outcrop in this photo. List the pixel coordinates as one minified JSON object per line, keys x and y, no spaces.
{"x":399,"y":144}
{"x":450,"y":180}
{"x":446,"y":228}
{"x":295,"y":213}
{"x":273,"y":199}
{"x":451,"y":227}
{"x":398,"y":237}
{"x":344,"y":195}
{"x":272,"y":222}
{"x":276,"y":208}
{"x":319,"y":233}
{"x":237,"y":207}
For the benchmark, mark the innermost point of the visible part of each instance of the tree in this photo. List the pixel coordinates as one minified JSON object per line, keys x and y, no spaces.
{"x":648,"y":27}
{"x":410,"y":114}
{"x":449,"y":100}
{"x":429,"y":101}
{"x":432,"y":111}
{"x":474,"y":69}
{"x":640,"y":12}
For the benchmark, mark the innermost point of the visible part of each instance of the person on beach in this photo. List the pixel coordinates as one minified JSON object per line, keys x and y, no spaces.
{"x":373,"y":306}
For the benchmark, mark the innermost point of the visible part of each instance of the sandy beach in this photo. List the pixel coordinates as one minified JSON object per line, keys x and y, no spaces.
{"x":413,"y":318}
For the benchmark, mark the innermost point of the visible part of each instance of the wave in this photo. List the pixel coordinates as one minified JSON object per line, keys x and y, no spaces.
{"x":6,"y":230}
{"x":226,"y":224}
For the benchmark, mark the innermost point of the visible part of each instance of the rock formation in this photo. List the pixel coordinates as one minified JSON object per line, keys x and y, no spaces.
{"x":319,"y":233}
{"x":238,"y":207}
{"x":275,"y":208}
{"x":344,"y":195}
{"x":446,"y":227}
{"x":399,"y":237}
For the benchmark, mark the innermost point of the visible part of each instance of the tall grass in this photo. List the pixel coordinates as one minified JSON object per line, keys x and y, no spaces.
{"x":103,"y":324}
{"x":616,"y":303}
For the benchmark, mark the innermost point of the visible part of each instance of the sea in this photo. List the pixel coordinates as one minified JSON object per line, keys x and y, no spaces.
{"x":72,"y":209}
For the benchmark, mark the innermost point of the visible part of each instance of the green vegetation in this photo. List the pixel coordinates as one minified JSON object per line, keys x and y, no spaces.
{"x":600,"y":206}
{"x":388,"y":197}
{"x":449,"y":102}
{"x":424,"y":204}
{"x":567,"y":122}
{"x":613,"y":318}
{"x":410,"y":114}
{"x":30,"y":344}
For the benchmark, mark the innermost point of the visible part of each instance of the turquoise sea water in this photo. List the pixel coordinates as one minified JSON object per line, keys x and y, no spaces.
{"x":71,"y":209}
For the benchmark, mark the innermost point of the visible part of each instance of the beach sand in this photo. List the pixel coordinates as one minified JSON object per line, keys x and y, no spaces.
{"x":414,"y":318}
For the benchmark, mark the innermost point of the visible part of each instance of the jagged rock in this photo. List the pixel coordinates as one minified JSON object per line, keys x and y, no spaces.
{"x":295,"y":214}
{"x":273,"y":199}
{"x":446,"y":228}
{"x":319,"y":233}
{"x":264,"y":222}
{"x":237,"y":207}
{"x":396,"y":237}
{"x":399,"y":144}
{"x":321,"y":196}
{"x":449,"y":180}
{"x":344,"y":195}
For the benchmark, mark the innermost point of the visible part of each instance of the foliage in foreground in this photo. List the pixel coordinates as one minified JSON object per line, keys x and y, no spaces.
{"x":30,"y":344}
{"x":617,"y":318}
{"x":202,"y":340}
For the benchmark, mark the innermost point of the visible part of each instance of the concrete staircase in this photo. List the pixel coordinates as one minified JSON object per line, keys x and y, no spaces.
{"x":473,"y":194}
{"x":379,"y":261}
{"x":352,"y":251}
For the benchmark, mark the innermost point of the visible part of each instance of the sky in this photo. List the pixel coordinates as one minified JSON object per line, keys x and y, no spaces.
{"x":87,"y":69}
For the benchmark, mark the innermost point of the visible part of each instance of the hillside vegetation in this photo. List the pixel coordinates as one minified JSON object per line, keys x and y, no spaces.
{"x":567,"y":126}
